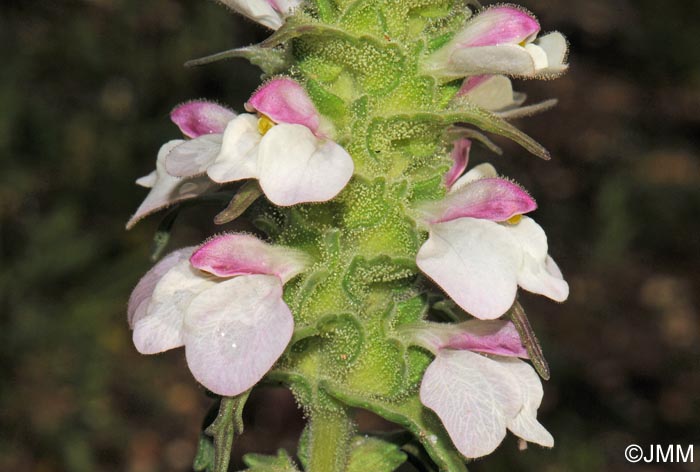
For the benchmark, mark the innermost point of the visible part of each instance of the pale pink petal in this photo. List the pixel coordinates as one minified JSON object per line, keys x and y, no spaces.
{"x":296,"y":167}
{"x":193,"y":157}
{"x":460,"y":159}
{"x":161,"y":327}
{"x":238,"y":158}
{"x":538,"y":272}
{"x":474,"y":397}
{"x":497,"y":337}
{"x":490,"y":92}
{"x":235,"y":331}
{"x":506,"y":59}
{"x":475,"y":261}
{"x":239,"y":254}
{"x":285,"y":101}
{"x":498,"y":25}
{"x":142,"y":293}
{"x":166,"y":189}
{"x":490,"y":199}
{"x":260,"y":11}
{"x":197,"y":118}
{"x":525,"y":424}
{"x":482,"y":171}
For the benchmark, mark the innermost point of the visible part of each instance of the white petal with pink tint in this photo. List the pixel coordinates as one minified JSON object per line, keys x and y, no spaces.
{"x":160,"y":328}
{"x":235,"y":331}
{"x":525,"y":424}
{"x":238,"y":158}
{"x":474,"y":397}
{"x":142,"y":293}
{"x":295,"y":166}
{"x":476,"y":262}
{"x":538,"y":272}
{"x":492,"y":92}
{"x":242,"y":254}
{"x":166,"y":189}
{"x":193,"y":157}
{"x":260,"y":11}
{"x":198,"y":117}
{"x":482,"y":171}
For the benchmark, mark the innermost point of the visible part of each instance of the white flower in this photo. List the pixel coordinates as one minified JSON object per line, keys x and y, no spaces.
{"x":223,"y":302}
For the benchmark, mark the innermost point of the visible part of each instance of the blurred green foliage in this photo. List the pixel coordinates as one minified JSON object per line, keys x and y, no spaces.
{"x":85,"y":89}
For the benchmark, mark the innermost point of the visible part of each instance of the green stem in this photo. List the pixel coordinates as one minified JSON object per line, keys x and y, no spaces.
{"x":329,"y":437}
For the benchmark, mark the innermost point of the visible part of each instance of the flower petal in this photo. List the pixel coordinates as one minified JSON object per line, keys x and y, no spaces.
{"x":142,"y":293}
{"x":260,"y":11}
{"x":525,"y":424}
{"x":538,"y":273}
{"x":498,"y":25}
{"x":238,"y":158}
{"x":460,"y":159}
{"x":490,"y":199}
{"x":491,"y":92}
{"x":482,"y":171}
{"x":198,"y":118}
{"x":475,"y":261}
{"x":160,"y":327}
{"x":235,"y":331}
{"x":506,"y":59}
{"x":474,"y":397}
{"x":497,"y":337}
{"x":285,"y":101}
{"x":239,"y":254}
{"x":296,"y":167}
{"x":556,"y":49}
{"x":167,"y":189}
{"x":194,"y":156}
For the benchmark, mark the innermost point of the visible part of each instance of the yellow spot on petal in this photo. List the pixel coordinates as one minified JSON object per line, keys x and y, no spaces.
{"x":514,"y":220}
{"x":265,"y":124}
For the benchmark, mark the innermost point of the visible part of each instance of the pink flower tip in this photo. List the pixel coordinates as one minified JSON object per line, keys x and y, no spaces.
{"x":285,"y":101}
{"x":200,"y":117}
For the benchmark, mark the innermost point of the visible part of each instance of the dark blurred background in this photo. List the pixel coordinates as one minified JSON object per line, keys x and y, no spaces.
{"x":85,"y":90}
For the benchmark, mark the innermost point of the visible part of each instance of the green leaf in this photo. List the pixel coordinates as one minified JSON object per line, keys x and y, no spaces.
{"x":412,"y":415}
{"x":204,"y":458}
{"x":261,"y":463}
{"x":228,"y":423}
{"x":370,"y":454}
{"x":270,"y":60}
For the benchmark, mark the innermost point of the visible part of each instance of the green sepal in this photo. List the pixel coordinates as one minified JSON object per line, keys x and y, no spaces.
{"x":370,"y":454}
{"x":527,"y":335}
{"x":262,"y":463}
{"x":269,"y":60}
{"x":412,"y":415}
{"x":161,"y":238}
{"x":363,"y":274}
{"x":246,"y":196}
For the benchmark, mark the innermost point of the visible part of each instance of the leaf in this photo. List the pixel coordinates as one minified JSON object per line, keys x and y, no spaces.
{"x":261,"y":463}
{"x":204,"y":458}
{"x":527,"y":334}
{"x":246,"y":196}
{"x":270,"y":60}
{"x":228,"y":423}
{"x":412,"y":415}
{"x":375,"y":455}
